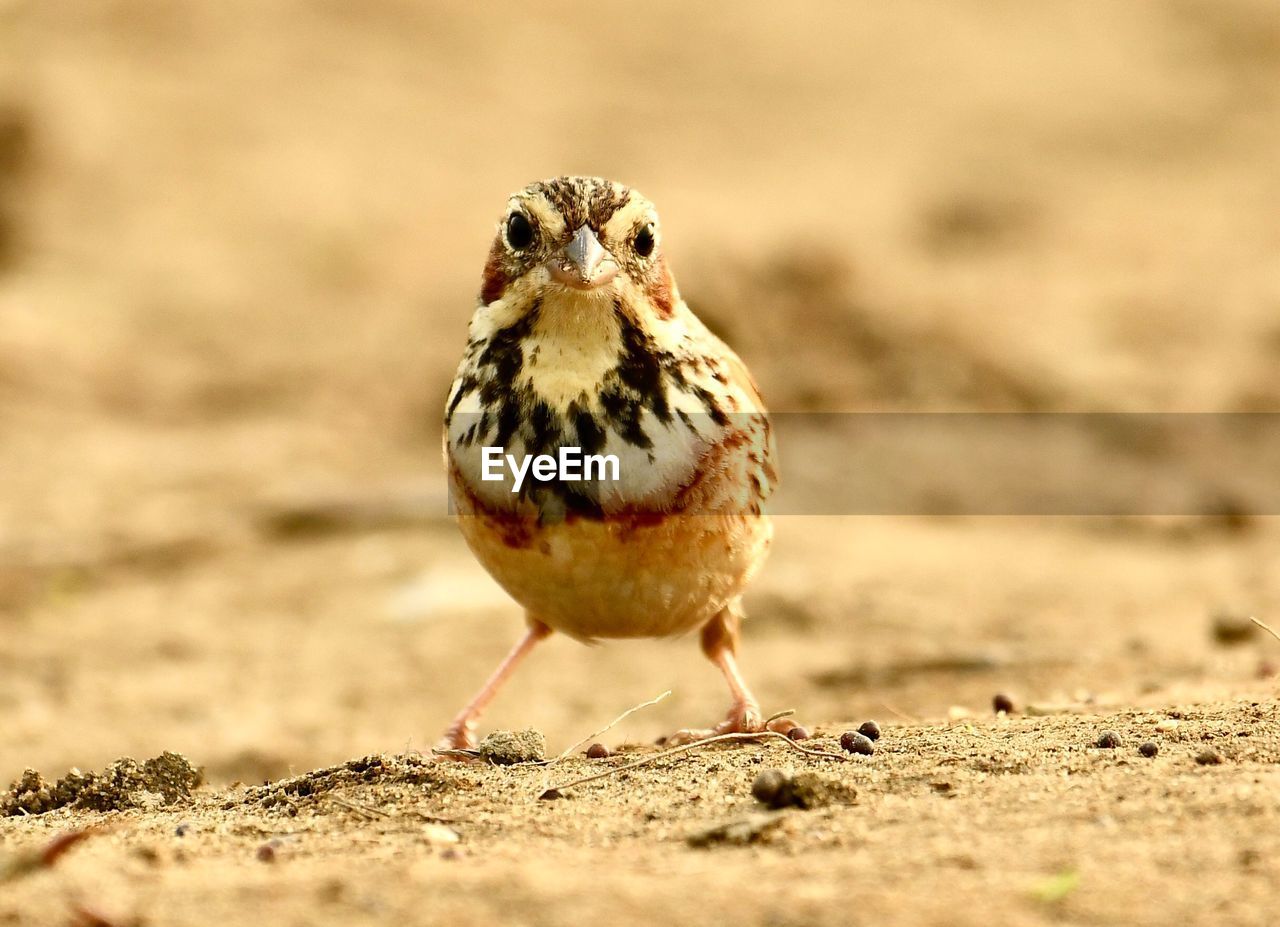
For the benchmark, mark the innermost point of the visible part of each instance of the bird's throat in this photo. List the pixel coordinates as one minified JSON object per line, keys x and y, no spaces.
{"x":572,"y":345}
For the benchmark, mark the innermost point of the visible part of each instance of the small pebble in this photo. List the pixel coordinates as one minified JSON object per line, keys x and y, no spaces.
{"x":267,"y":852}
{"x":1149,"y":749}
{"x":1167,"y":725}
{"x":1209,"y":757}
{"x":854,"y":742}
{"x":551,"y":795}
{"x":182,"y":829}
{"x":869,"y":730}
{"x":597,"y":752}
{"x":1002,"y":703}
{"x":769,"y":787}
{"x":798,"y":733}
{"x":778,"y":789}
{"x":1108,"y":740}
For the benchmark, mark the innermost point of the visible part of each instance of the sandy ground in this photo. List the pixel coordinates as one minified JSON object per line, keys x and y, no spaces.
{"x":1013,"y":821}
{"x":239,"y":244}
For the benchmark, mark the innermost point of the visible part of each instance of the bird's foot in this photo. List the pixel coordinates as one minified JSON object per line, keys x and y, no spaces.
{"x":457,"y":737}
{"x":743,"y":718}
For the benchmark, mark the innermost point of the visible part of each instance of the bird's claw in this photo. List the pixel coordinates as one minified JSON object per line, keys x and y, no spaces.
{"x":457,"y":739}
{"x":745,"y":718}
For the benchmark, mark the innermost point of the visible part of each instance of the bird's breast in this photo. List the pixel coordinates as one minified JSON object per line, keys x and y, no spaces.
{"x":661,"y":415}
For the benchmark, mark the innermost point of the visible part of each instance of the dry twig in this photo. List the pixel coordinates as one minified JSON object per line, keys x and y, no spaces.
{"x":608,"y":727}
{"x":612,"y":724}
{"x":1266,"y":627}
{"x":684,"y":748}
{"x":901,"y":715}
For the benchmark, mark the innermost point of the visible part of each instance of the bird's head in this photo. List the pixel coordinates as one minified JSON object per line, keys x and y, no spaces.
{"x":583,"y":240}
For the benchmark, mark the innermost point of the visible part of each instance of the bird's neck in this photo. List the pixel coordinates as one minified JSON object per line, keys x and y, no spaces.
{"x":574,"y":342}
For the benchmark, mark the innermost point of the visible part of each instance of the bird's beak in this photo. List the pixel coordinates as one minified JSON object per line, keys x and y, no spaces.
{"x":583,"y":263}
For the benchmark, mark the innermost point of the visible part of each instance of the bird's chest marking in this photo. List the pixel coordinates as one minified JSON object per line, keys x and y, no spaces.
{"x":556,"y":379}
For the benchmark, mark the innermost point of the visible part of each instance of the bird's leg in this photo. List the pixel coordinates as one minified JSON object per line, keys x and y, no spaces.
{"x":720,"y":644}
{"x":460,"y":734}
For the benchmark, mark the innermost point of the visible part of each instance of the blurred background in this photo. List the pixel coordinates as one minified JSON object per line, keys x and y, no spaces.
{"x":240,"y":243}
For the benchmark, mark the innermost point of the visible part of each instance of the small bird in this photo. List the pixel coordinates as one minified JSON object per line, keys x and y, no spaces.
{"x":581,"y":340}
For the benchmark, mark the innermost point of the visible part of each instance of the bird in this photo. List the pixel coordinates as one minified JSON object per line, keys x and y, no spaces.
{"x":580,"y":340}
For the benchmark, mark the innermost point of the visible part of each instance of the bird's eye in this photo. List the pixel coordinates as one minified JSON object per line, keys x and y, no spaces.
{"x":519,"y":231}
{"x":644,"y":241}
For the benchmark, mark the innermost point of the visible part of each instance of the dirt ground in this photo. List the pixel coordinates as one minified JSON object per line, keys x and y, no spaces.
{"x":239,"y":244}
